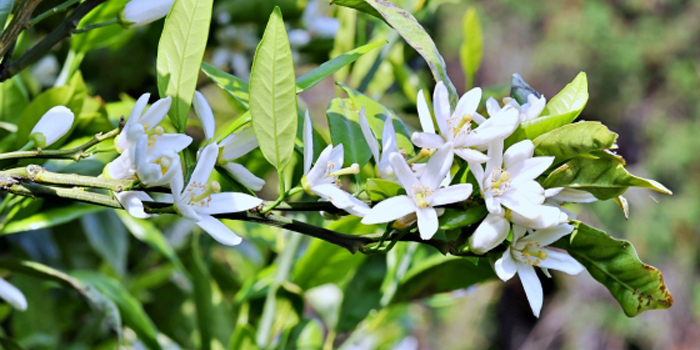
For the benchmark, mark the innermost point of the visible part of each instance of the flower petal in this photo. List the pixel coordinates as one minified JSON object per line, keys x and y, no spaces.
{"x":500,"y":126}
{"x":132,"y":201}
{"x":451,"y":194}
{"x":156,"y":113}
{"x":548,"y":236}
{"x":217,"y":230}
{"x":529,"y":169}
{"x":229,"y":202}
{"x":438,"y":167}
{"x":427,"y":222}
{"x":478,"y":172}
{"x":533,"y":287}
{"x":403,"y":172}
{"x":427,"y":140}
{"x":495,"y":154}
{"x":244,"y":176}
{"x":548,"y":217}
{"x":169,"y":143}
{"x":308,"y":142}
{"x":505,"y":267}
{"x":390,"y":209}
{"x":388,"y":138}
{"x":441,"y":106}
{"x":205,"y":165}
{"x":518,"y":152}
{"x":339,"y":198}
{"x":54,"y":124}
{"x":239,"y":144}
{"x":426,"y":119}
{"x":492,"y":106}
{"x":205,"y":115}
{"x":358,"y":207}
{"x":471,"y":156}
{"x":369,"y":135}
{"x":490,"y":233}
{"x":12,"y":295}
{"x":571,"y":195}
{"x":137,"y":111}
{"x":563,"y":262}
{"x":467,"y":104}
{"x":318,"y":171}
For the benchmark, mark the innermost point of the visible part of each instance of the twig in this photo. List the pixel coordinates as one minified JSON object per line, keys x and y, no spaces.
{"x":18,"y":24}
{"x":76,"y":153}
{"x":35,"y":190}
{"x":60,"y":8}
{"x":36,"y":173}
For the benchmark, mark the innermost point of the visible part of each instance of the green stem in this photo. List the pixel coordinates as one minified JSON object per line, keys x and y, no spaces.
{"x":18,"y":24}
{"x":38,"y":174}
{"x":284,"y":266}
{"x":60,"y":8}
{"x":36,"y":190}
{"x":90,"y":27}
{"x":282,"y":195}
{"x":76,"y":153}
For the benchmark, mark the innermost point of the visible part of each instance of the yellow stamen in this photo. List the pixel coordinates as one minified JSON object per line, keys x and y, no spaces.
{"x":424,"y":152}
{"x":213,"y":187}
{"x":351,"y":170}
{"x":467,"y":118}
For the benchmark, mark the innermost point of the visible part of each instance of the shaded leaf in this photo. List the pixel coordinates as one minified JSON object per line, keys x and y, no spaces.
{"x":147,"y":232}
{"x":234,"y":86}
{"x":108,"y":237}
{"x":363,"y":293}
{"x":104,"y":36}
{"x":343,"y":122}
{"x":379,"y":190}
{"x":457,"y":218}
{"x":638,"y":287}
{"x":50,"y":218}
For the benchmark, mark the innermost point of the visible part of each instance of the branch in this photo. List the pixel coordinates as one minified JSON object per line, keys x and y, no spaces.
{"x":33,"y":190}
{"x":64,"y":30}
{"x":76,"y":153}
{"x":36,"y":173}
{"x":18,"y":24}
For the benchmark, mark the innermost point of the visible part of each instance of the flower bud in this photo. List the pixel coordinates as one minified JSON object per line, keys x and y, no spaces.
{"x":12,"y":295}
{"x":141,"y":12}
{"x":52,"y":126}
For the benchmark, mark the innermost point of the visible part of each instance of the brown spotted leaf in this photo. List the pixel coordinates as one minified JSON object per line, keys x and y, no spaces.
{"x":638,"y":287}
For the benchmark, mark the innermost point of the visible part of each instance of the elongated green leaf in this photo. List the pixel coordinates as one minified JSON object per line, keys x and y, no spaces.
{"x":108,"y":237}
{"x":602,"y":174}
{"x":471,"y":51}
{"x":104,"y":36}
{"x":180,"y":52}
{"x":10,"y":344}
{"x":363,"y":293}
{"x":313,"y":77}
{"x":131,"y":309}
{"x":273,"y":100}
{"x":94,"y":298}
{"x":440,"y":274}
{"x":379,"y":190}
{"x":562,"y":109}
{"x":148,"y":233}
{"x":5,"y":11}
{"x":344,"y":125}
{"x":50,"y":218}
{"x":638,"y":287}
{"x":376,"y":114}
{"x":415,"y":35}
{"x":456,"y":218}
{"x":571,"y":140}
{"x":234,"y":86}
{"x":13,"y":100}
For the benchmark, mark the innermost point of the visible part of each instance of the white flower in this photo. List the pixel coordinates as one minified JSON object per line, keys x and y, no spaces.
{"x":157,"y":166}
{"x":132,"y":202}
{"x":12,"y":295}
{"x":140,"y":12}
{"x":232,"y":147}
{"x":317,"y":22}
{"x":423,"y":194}
{"x":200,"y":199}
{"x":46,"y":70}
{"x":557,"y":196}
{"x":384,"y":169}
{"x":52,"y":126}
{"x":457,"y":127}
{"x":511,"y":193}
{"x":528,"y":251}
{"x":322,"y":178}
{"x":527,"y":111}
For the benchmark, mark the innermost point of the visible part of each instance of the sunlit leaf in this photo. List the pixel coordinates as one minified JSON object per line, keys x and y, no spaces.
{"x":471,"y":51}
{"x":379,"y":190}
{"x":344,"y":125}
{"x":234,"y":86}
{"x":571,"y":140}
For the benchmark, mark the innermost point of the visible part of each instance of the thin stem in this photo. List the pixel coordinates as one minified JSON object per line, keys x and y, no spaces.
{"x":64,"y":30}
{"x":18,"y":24}
{"x":38,"y":174}
{"x":36,"y":190}
{"x":60,"y":8}
{"x":282,"y":195}
{"x":95,"y":26}
{"x":76,"y":153}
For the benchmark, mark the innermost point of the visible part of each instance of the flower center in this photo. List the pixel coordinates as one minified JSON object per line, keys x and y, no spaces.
{"x":500,"y":181}
{"x":157,"y":131}
{"x":424,"y":152}
{"x":532,"y":253}
{"x":165,"y":163}
{"x":421,"y":195}
{"x":204,"y":197}
{"x":465,"y":120}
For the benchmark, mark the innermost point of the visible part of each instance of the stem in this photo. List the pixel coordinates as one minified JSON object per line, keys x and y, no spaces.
{"x":64,"y":30}
{"x":18,"y":24}
{"x":36,"y":190}
{"x":95,"y":26}
{"x":38,"y":174}
{"x":75,"y":154}
{"x":282,"y":195}
{"x":60,"y":8}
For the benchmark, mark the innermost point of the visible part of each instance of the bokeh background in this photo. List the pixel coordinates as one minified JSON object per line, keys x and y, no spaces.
{"x":642,"y":58}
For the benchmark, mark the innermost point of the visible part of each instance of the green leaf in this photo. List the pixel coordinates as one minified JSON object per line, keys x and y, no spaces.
{"x":638,"y":287}
{"x":313,"y":77}
{"x":562,"y":109}
{"x":323,"y":263}
{"x":5,"y":11}
{"x":104,"y":36}
{"x":376,"y":114}
{"x":243,"y":338}
{"x":180,"y":52}
{"x":415,"y":35}
{"x":50,"y":218}
{"x":131,"y":309}
{"x":13,"y":100}
{"x":234,"y":86}
{"x":343,"y":122}
{"x":9,"y":343}
{"x":602,"y":174}
{"x":273,"y":103}
{"x":379,"y":190}
{"x":363,"y":293}
{"x":456,"y":218}
{"x":147,"y":232}
{"x":307,"y":335}
{"x":95,"y":298}
{"x":471,"y":51}
{"x":108,"y":237}
{"x":440,"y":274}
{"x":571,"y":140}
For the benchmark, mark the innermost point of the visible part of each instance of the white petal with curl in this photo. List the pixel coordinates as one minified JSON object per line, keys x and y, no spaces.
{"x":390,"y":209}
{"x":217,"y":230}
{"x":427,"y":222}
{"x":229,"y":202}
{"x":505,"y":267}
{"x":426,"y":119}
{"x":244,"y":176}
{"x":490,"y":233}
{"x":563,"y":262}
{"x":205,"y":115}
{"x":12,"y":295}
{"x":533,"y":287}
{"x":452,"y":194}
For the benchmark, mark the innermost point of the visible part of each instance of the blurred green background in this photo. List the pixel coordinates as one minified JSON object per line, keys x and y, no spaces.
{"x":642,"y":58}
